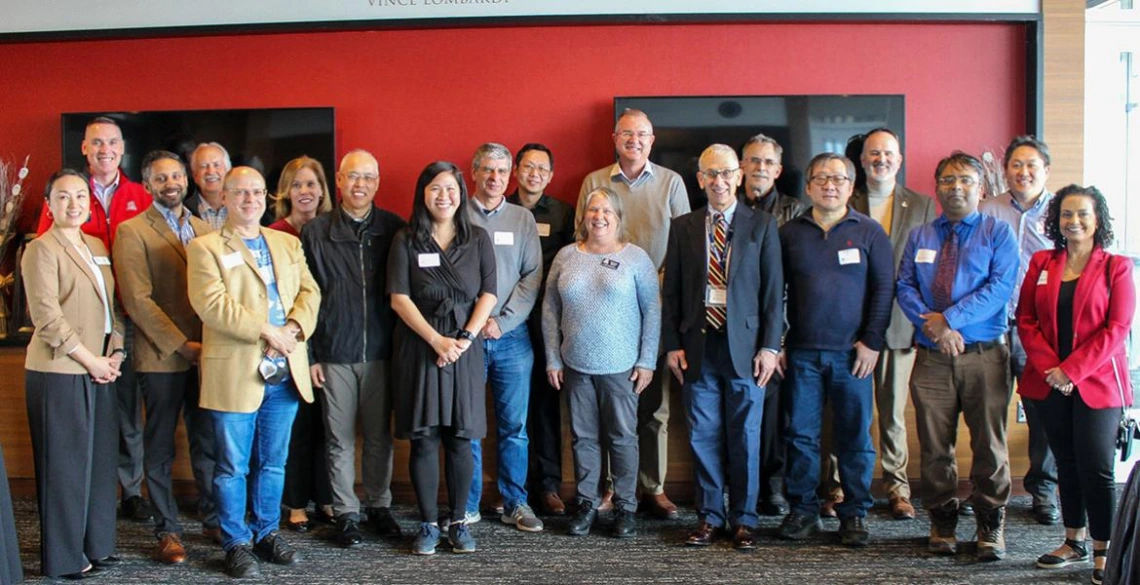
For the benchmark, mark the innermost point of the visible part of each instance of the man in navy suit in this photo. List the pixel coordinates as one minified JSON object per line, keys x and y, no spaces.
{"x":722,"y":320}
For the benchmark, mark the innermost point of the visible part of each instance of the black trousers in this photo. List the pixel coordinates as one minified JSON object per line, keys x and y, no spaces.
{"x":1041,"y":477}
{"x":544,"y":423}
{"x":772,"y":451}
{"x":1083,"y":440}
{"x":74,"y":444}
{"x":166,"y":395}
{"x":307,"y":470}
{"x":424,"y":467}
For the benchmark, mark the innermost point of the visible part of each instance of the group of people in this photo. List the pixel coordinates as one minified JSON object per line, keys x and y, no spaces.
{"x":783,"y":323}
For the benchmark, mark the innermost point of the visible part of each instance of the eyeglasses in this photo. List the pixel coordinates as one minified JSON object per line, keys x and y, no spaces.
{"x":762,"y":162}
{"x":247,"y":192}
{"x":366,"y":177}
{"x":714,"y":174}
{"x":950,"y":181}
{"x":627,"y":134}
{"x":837,"y":180}
{"x":529,"y":169}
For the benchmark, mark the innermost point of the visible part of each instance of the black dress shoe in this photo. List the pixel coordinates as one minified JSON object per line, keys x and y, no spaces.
{"x":853,"y":532}
{"x":275,"y":549}
{"x":89,"y":573}
{"x":107,"y":561}
{"x":774,"y":505}
{"x":1046,"y":514}
{"x":582,"y":521}
{"x":348,"y":532}
{"x":703,"y":535}
{"x":137,"y":509}
{"x":744,"y":538}
{"x":241,"y":562}
{"x":302,"y":526}
{"x":625,"y":525}
{"x":381,"y":522}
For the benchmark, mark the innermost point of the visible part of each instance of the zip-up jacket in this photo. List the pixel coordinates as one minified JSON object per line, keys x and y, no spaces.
{"x":349,"y":262}
{"x":129,"y":200}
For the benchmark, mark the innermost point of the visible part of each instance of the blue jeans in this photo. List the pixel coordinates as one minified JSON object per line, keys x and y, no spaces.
{"x":263,"y":437}
{"x":724,"y":413}
{"x":813,"y":378}
{"x":508,"y":361}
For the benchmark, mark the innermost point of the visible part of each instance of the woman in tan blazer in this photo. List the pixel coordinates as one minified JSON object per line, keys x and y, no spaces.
{"x":76,"y":350}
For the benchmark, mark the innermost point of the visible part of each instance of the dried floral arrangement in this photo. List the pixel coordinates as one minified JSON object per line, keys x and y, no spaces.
{"x":994,"y":179}
{"x":11,"y":200}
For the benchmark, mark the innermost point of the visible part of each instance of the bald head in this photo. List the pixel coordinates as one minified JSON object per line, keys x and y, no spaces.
{"x":358,"y":178}
{"x":244,"y":197}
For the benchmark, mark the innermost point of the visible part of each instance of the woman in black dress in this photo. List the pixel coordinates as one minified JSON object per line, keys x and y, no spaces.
{"x":441,"y":275}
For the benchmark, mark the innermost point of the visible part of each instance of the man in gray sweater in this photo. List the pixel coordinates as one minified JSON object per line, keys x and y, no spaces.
{"x":508,"y":354}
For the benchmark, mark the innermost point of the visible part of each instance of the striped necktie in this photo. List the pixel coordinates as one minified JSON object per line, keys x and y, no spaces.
{"x":716,"y":315}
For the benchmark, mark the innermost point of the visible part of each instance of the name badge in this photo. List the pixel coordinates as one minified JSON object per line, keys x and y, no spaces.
{"x":849,"y":256}
{"x":102,"y":260}
{"x":1043,"y":278}
{"x":429,"y":260}
{"x":925,"y":256}
{"x":611,"y":264}
{"x":716,"y":296}
{"x":543,"y":230}
{"x":231,"y":260}
{"x":504,"y":238}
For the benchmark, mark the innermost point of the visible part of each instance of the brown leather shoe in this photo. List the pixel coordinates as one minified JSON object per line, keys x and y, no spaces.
{"x":213,"y":533}
{"x":607,"y":503}
{"x":170,"y":549}
{"x":744,"y":538}
{"x":901,"y":508}
{"x":552,"y":504}
{"x":703,"y":535}
{"x":660,"y":506}
{"x":827,"y":508}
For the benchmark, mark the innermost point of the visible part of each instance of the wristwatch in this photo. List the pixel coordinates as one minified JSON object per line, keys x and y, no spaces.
{"x":465,"y":334}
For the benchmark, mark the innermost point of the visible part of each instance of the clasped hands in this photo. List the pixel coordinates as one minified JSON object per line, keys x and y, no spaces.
{"x":448,"y":349}
{"x":1059,"y":380}
{"x":281,"y":340}
{"x":938,"y":330}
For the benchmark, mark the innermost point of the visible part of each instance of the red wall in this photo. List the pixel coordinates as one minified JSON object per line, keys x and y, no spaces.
{"x":413,"y":96}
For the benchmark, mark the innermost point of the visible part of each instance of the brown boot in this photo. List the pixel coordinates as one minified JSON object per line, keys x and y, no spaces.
{"x":943,"y":524}
{"x":991,"y":533}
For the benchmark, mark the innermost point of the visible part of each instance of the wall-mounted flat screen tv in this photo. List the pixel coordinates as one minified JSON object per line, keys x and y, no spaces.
{"x":805,"y":125}
{"x":264,"y":138}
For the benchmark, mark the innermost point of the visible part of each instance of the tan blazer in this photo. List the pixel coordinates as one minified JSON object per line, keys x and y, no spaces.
{"x":228,"y":293}
{"x":909,"y":210}
{"x":150,"y":263}
{"x":64,"y":301}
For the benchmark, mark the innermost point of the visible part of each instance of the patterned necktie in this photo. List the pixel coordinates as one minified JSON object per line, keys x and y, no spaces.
{"x":716,"y":314}
{"x":944,"y":274}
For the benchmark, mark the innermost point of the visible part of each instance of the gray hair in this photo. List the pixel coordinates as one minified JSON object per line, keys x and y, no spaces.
{"x":201,"y":145}
{"x":763,"y":139}
{"x":715,"y":150}
{"x":492,"y":150}
{"x":631,"y":113}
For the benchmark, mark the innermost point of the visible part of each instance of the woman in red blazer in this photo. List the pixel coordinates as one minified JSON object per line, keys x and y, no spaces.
{"x":1075,"y":310}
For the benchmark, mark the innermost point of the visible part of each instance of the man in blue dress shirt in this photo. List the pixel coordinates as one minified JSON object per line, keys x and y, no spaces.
{"x":955,"y":279}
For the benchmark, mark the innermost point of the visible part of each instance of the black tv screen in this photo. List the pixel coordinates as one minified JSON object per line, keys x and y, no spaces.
{"x":265,"y":138}
{"x":805,"y":125}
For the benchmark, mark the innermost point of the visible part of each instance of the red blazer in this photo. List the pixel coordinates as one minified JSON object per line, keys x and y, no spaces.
{"x":1103,"y":307}
{"x":130,"y":199}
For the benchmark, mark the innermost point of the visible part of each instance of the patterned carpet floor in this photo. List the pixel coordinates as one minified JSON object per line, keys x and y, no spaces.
{"x":507,"y":556}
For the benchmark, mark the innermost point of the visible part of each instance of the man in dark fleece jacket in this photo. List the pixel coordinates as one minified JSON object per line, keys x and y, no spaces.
{"x":837,"y":265}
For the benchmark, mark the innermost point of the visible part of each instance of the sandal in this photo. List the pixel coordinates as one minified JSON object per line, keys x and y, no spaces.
{"x":1078,"y":553}
{"x":1098,"y":574}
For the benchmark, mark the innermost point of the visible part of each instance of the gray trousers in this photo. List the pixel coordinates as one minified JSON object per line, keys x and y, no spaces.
{"x":603,"y":416}
{"x":129,"y":414}
{"x":358,"y":391}
{"x":166,"y":395}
